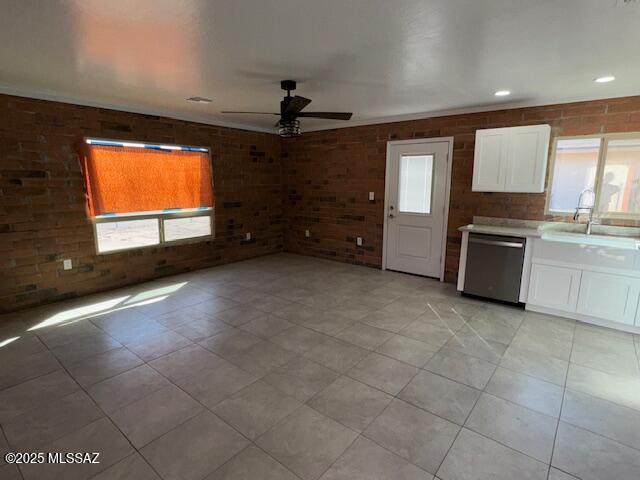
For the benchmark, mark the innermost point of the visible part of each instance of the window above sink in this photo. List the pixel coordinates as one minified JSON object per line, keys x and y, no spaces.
{"x":608,"y":164}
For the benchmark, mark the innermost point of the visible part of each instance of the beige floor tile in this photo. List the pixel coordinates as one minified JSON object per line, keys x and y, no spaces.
{"x":383,"y":373}
{"x":386,"y":320}
{"x":194,"y":449}
{"x":301,"y":378}
{"x":351,"y":403}
{"x":18,"y":369}
{"x":146,"y":419}
{"x":407,"y":350}
{"x":156,"y":346}
{"x":618,"y":389}
{"x":51,"y":421}
{"x":252,"y":464}
{"x":199,"y":329}
{"x":431,"y":333}
{"x":536,"y":365}
{"x":462,"y":368}
{"x":474,"y":457}
{"x":133,"y":467}
{"x":125,"y":388}
{"x":418,"y":436}
{"x":256,"y":408}
{"x":336,"y":355}
{"x":212,"y":385}
{"x":529,"y":432}
{"x":605,"y":418}
{"x":307,"y":442}
{"x":35,"y":393}
{"x":240,"y":315}
{"x":267,"y":326}
{"x":441,"y":396}
{"x":364,"y":336}
{"x":591,"y":457}
{"x":100,"y":436}
{"x":471,"y":342}
{"x":105,"y":365}
{"x":298,"y":339}
{"x":364,"y":460}
{"x":261,"y":358}
{"x":530,"y":392}
{"x":230,"y":342}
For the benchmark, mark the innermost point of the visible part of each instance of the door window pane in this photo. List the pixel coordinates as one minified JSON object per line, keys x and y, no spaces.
{"x":414,"y":189}
{"x":114,"y":236}
{"x":574,"y":170}
{"x":619,"y":189}
{"x":180,"y":228}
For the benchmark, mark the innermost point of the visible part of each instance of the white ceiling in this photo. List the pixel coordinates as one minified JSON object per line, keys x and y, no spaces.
{"x":381,"y":59}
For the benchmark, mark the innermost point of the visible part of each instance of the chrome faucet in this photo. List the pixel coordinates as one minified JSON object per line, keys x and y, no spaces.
{"x":586,"y":207}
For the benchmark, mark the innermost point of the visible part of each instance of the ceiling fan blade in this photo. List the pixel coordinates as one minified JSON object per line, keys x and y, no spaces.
{"x":252,"y":113}
{"x":296,"y":104}
{"x":328,"y":115}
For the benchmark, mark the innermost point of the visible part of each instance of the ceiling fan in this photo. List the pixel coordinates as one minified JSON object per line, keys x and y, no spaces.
{"x":291,"y":110}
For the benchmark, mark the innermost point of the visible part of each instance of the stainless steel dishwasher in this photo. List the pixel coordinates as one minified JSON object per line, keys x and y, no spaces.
{"x":494,"y":267}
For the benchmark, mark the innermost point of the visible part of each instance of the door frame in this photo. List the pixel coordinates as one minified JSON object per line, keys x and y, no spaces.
{"x":387,"y":170}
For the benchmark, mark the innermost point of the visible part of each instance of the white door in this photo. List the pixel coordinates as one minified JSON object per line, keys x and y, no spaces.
{"x":417,"y":186}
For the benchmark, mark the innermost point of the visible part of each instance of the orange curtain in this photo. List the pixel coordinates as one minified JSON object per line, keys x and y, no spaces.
{"x":129,"y":179}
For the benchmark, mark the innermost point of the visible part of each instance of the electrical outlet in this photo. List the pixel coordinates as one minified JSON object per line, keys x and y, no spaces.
{"x":359,"y":241}
{"x":67,"y":264}
{"x":248,"y":236}
{"x":307,"y":234}
{"x":372,"y":196}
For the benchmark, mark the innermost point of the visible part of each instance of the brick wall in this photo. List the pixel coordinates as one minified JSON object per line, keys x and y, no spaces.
{"x":43,"y":216}
{"x":322,"y":177}
{"x":328,"y":175}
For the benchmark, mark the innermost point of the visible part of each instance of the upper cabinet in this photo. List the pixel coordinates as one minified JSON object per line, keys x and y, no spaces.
{"x":511,"y":159}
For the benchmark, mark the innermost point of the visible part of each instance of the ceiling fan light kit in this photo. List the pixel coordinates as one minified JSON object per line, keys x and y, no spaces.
{"x":291,"y":110}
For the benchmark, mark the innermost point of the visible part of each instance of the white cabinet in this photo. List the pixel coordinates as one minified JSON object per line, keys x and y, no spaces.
{"x":554,"y":287}
{"x":489,"y":162}
{"x":511,"y":159}
{"x":612,"y":297}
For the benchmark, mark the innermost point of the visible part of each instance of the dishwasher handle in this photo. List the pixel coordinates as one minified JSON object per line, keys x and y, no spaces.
{"x":496,"y":243}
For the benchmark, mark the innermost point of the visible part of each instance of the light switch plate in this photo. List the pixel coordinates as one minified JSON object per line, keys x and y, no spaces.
{"x":307,"y":234}
{"x":248,"y":236}
{"x":67,"y":264}
{"x":372,"y":196}
{"x":359,"y":241}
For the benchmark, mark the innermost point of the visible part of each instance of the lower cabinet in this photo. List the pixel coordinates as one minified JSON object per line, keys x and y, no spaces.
{"x":611,"y":297}
{"x":554,"y":287}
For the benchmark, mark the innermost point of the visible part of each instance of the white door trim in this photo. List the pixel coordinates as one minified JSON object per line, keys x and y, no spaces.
{"x":393,"y":143}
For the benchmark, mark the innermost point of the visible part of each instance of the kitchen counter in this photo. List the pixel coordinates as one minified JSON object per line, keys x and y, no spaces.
{"x":502,"y":230}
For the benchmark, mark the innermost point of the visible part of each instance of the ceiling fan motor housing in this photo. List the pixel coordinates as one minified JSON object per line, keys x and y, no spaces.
{"x":289,"y":128}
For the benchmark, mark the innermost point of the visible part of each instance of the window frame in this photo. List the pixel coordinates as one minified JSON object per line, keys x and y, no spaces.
{"x":159,"y":216}
{"x":604,"y":138}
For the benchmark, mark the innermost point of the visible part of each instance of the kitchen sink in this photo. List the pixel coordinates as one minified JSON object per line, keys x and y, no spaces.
{"x":628,"y":243}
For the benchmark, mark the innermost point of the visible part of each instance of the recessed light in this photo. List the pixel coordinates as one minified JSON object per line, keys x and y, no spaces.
{"x":502,"y":93}
{"x":605,"y":79}
{"x":199,"y":100}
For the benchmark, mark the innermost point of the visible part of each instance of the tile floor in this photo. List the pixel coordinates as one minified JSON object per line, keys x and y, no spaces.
{"x":289,"y":367}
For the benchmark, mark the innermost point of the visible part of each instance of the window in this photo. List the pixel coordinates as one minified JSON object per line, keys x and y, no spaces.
{"x":416,"y":173}
{"x":607,"y":164}
{"x":141,"y":194}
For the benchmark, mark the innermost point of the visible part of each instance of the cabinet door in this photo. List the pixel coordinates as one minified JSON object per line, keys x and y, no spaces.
{"x":489,"y":161}
{"x":611,"y":297}
{"x":554,"y":287}
{"x":527,"y":158}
